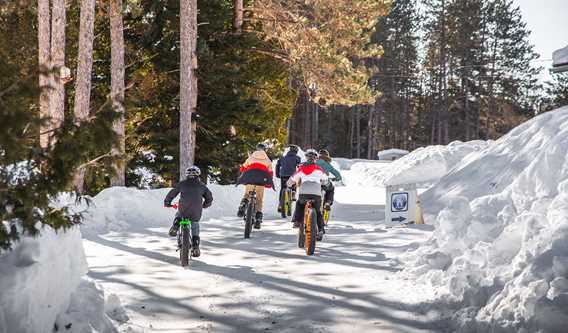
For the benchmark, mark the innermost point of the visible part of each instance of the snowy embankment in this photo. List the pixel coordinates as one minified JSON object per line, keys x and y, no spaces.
{"x":424,"y":166}
{"x":43,"y":288}
{"x":499,"y":254}
{"x":123,"y":208}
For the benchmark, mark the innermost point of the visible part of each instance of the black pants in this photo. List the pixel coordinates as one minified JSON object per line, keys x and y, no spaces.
{"x":283,"y":186}
{"x":300,"y":207}
{"x":329,"y":193}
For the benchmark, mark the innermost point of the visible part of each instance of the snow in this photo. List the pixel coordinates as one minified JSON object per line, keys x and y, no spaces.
{"x":499,"y":255}
{"x":37,"y":278}
{"x":493,"y":259}
{"x":424,"y":166}
{"x":263,"y":283}
{"x":390,"y":152}
{"x":121,"y":208}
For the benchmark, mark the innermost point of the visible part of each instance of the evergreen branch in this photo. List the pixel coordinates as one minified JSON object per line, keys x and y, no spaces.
{"x":94,"y":161}
{"x":275,"y":54}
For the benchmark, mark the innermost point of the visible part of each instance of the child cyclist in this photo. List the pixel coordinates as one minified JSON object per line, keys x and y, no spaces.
{"x":194,"y":196}
{"x":309,"y":178}
{"x":324,"y":162}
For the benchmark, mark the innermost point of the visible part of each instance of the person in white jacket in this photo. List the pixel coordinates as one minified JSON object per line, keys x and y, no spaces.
{"x":309,"y":179}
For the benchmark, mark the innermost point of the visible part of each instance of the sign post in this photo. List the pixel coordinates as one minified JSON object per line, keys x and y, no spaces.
{"x":401,"y":204}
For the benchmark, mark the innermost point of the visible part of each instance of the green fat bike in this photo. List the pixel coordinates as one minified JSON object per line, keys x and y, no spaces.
{"x":184,"y":242}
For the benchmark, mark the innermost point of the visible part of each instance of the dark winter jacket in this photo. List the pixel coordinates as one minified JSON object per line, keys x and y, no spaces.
{"x":194,"y":197}
{"x":287,"y":165}
{"x":256,"y":174}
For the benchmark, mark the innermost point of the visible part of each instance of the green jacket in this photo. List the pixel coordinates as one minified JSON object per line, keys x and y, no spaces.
{"x":329,"y":169}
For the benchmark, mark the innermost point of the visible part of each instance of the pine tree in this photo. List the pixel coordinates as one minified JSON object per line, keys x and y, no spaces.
{"x":397,"y":76}
{"x":557,"y":92}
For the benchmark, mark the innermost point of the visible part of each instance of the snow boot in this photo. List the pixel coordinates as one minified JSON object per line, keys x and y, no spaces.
{"x":327,"y":206}
{"x":195,"y":252}
{"x":174,"y":229}
{"x":242,"y":207}
{"x":258,"y":220}
{"x":319,"y":236}
{"x":296,"y":224}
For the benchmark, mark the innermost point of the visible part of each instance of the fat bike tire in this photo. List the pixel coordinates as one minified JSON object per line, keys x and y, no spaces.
{"x":311,"y":232}
{"x":185,"y":246}
{"x":249,"y":220}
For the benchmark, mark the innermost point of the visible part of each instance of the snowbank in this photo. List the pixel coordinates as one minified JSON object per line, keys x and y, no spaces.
{"x":500,"y":249}
{"x":37,"y":278}
{"x":423,"y":166}
{"x":88,"y":311}
{"x":122,"y":208}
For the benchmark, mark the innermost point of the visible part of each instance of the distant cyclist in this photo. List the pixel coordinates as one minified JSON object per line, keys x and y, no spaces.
{"x":256,"y":174}
{"x":324,"y":162}
{"x":285,"y":168}
{"x":194,"y":196}
{"x":309,"y":178}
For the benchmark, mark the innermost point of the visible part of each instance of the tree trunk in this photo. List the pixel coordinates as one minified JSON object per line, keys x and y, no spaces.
{"x":84,"y":71}
{"x":370,"y":134}
{"x":117,"y":88}
{"x":188,"y":83}
{"x":358,"y":124}
{"x":44,"y":60}
{"x":316,"y":125}
{"x":238,"y":16}
{"x":57,"y":101}
{"x":352,"y":132}
{"x":307,"y":123}
{"x":330,"y":136}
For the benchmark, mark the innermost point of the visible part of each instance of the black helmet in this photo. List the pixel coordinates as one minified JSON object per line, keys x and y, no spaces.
{"x":193,"y":171}
{"x":324,"y":152}
{"x":261,"y":146}
{"x":311,"y":155}
{"x":294,"y":148}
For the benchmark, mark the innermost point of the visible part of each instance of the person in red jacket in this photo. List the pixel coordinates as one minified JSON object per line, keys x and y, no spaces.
{"x":256,"y":174}
{"x":309,"y":179}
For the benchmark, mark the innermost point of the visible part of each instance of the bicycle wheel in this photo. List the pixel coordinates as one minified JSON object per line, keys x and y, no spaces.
{"x":249,"y":220}
{"x":311,"y":231}
{"x":326,"y":216}
{"x":185,"y":246}
{"x":301,"y":236}
{"x":284,"y":204}
{"x":289,"y":202}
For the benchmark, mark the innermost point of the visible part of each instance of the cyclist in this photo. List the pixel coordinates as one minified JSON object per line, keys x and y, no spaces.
{"x":194,"y":196}
{"x":256,"y":175}
{"x":324,"y":162}
{"x":309,"y":178}
{"x":285,"y":168}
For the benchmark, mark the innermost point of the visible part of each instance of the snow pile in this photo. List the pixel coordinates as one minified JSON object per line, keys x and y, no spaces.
{"x":423,"y":166}
{"x":122,"y":208}
{"x":89,"y":312}
{"x":37,"y":278}
{"x":500,"y":249}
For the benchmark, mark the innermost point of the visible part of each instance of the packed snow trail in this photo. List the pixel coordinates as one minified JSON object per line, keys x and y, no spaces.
{"x":266,"y":282}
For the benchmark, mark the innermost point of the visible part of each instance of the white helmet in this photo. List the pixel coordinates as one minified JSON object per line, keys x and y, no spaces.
{"x":193,"y":171}
{"x":311,"y":155}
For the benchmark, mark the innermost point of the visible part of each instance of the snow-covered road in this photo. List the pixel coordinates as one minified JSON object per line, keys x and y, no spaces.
{"x":266,"y":282}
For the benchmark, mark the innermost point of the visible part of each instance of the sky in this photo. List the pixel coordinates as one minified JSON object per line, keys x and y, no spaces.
{"x":548,"y":22}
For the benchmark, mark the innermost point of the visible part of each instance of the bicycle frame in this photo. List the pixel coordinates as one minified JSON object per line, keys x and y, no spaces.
{"x":250,"y":211}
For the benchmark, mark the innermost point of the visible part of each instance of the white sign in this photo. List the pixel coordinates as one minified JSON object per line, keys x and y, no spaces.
{"x":400,"y":207}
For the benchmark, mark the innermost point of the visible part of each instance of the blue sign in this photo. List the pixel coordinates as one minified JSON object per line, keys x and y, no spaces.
{"x":399,"y":202}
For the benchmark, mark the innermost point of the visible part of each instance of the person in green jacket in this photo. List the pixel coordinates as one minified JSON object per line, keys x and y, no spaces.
{"x":324,"y":162}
